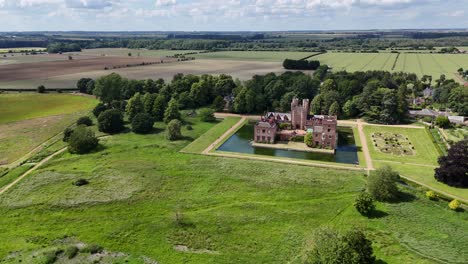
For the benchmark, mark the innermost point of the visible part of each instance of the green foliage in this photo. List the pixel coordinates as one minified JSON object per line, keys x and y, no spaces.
{"x":309,"y":140}
{"x":207,"y":115}
{"x":173,"y":131}
{"x":331,"y":247}
{"x":109,"y":88}
{"x":148,"y":102}
{"x":92,"y":249}
{"x":431,"y":195}
{"x":59,"y":47}
{"x":71,"y":252}
{"x":300,"y":64}
{"x":41,"y":89}
{"x":134,"y":106}
{"x":349,"y":108}
{"x":334,"y":109}
{"x":382,"y":184}
{"x":172,"y":111}
{"x":111,"y":121}
{"x":453,"y":169}
{"x":82,"y":85}
{"x":99,"y":109}
{"x":82,"y":140}
{"x":442,"y":121}
{"x":364,"y":203}
{"x":316,"y":105}
{"x":142,"y":123}
{"x":297,"y":139}
{"x":159,"y":107}
{"x":218,"y":103}
{"x":454,"y":205}
{"x":84,"y":120}
{"x":67,"y":133}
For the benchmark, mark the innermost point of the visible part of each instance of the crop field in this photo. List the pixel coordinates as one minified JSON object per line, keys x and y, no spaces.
{"x":420,"y":64}
{"x":61,"y":79}
{"x":22,"y":49}
{"x":277,"y":56}
{"x":17,"y":58}
{"x":200,"y":209}
{"x":122,"y":52}
{"x":27,"y":120}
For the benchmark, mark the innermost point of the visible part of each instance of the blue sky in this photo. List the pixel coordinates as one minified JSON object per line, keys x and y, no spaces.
{"x":230,"y":15}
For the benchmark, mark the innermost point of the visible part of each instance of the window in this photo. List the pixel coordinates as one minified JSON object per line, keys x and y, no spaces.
{"x":258,"y":138}
{"x":263,"y":138}
{"x":269,"y":139}
{"x":268,"y":131}
{"x":328,"y":130}
{"x":329,"y":137}
{"x":263,"y":131}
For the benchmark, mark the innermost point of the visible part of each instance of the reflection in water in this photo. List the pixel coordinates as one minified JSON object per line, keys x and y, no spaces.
{"x":345,"y":153}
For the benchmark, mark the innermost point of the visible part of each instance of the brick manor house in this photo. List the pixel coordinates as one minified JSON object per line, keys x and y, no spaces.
{"x":284,"y":126}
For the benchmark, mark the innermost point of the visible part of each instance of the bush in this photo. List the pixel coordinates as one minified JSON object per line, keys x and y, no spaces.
{"x":41,"y":89}
{"x":297,"y":139}
{"x":442,"y":121}
{"x":284,"y":126}
{"x":309,"y":140}
{"x":189,"y":127}
{"x":50,"y":257}
{"x":82,"y":140}
{"x":84,"y":120}
{"x":431,"y":195}
{"x":455,"y":205}
{"x":207,"y":115}
{"x":67,"y":133}
{"x":99,"y":109}
{"x":81,"y":182}
{"x":382,"y":184}
{"x":111,"y":121}
{"x":71,"y":252}
{"x":142,"y":123}
{"x":364,"y":204}
{"x":173,"y":130}
{"x":92,"y":249}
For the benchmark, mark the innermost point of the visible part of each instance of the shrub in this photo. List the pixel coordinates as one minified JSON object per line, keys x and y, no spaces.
{"x":92,"y":249}
{"x":431,"y":195}
{"x":207,"y":115}
{"x":67,"y":133}
{"x":362,"y":246}
{"x":82,"y":140}
{"x":189,"y":127}
{"x":173,"y":130}
{"x":84,"y":120}
{"x":142,"y":123}
{"x":284,"y":126}
{"x":309,"y":140}
{"x":382,"y":184}
{"x":455,"y":205}
{"x":71,"y":252}
{"x":442,"y":121}
{"x":297,"y":139}
{"x":99,"y":109}
{"x":364,"y":204}
{"x":50,"y":257}
{"x":111,"y":121}
{"x":41,"y":89}
{"x":81,"y":182}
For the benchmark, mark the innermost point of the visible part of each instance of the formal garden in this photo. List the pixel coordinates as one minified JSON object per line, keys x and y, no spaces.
{"x":393,"y":143}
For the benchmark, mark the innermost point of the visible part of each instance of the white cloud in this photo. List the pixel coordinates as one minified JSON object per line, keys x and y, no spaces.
{"x":165,"y":2}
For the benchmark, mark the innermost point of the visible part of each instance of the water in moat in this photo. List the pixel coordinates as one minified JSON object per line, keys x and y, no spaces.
{"x":346,"y":151}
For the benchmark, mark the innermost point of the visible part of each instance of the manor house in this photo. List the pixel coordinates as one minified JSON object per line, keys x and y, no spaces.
{"x":284,"y":126}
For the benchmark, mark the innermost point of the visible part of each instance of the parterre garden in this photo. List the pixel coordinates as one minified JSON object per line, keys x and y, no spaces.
{"x":393,"y":143}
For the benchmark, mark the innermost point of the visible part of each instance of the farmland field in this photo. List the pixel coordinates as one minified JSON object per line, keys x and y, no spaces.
{"x":277,"y":56}
{"x":135,"y":52}
{"x":6,"y":50}
{"x":420,"y":64}
{"x":27,"y":120}
{"x":228,"y":210}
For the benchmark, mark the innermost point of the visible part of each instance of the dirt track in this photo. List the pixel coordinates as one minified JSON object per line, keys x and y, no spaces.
{"x":26,"y":71}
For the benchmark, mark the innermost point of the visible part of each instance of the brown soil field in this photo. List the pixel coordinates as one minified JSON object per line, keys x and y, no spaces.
{"x":41,"y":70}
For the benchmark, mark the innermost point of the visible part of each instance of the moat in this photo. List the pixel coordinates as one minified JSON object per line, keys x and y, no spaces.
{"x":346,"y":151}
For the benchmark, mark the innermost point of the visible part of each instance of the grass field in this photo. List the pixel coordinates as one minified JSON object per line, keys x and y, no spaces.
{"x":21,"y":49}
{"x":420,"y":64}
{"x":277,"y":56}
{"x":27,"y":120}
{"x":17,"y":107}
{"x":230,"y":210}
{"x":134,"y":52}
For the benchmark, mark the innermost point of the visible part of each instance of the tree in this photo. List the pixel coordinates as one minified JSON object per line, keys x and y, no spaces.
{"x":364,"y":203}
{"x":82,"y":140}
{"x":82,"y":84}
{"x":173,"y":130}
{"x":309,"y":140}
{"x":316,"y":105}
{"x":159,"y":107}
{"x":111,"y":121}
{"x":442,"y":121}
{"x":98,"y":109}
{"x":453,"y":168}
{"x":148,"y":102}
{"x":218,"y":103}
{"x":350,"y":109}
{"x":90,"y":87}
{"x":382,"y":184}
{"x":41,"y":89}
{"x":172,"y":111}
{"x":142,"y":123}
{"x":358,"y":243}
{"x":207,"y":115}
{"x":334,"y":109}
{"x":67,"y":133}
{"x":109,"y":88}
{"x":84,"y":120}
{"x":199,"y":93}
{"x":134,"y":106}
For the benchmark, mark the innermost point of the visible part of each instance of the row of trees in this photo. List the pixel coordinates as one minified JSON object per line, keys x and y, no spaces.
{"x":300,"y":64}
{"x":60,"y":47}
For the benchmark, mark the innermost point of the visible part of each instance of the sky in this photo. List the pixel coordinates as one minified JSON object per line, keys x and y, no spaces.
{"x":229,"y":15}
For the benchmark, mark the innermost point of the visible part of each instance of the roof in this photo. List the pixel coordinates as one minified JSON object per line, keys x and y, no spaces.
{"x":266,"y":124}
{"x":427,"y":112}
{"x":279,"y":116}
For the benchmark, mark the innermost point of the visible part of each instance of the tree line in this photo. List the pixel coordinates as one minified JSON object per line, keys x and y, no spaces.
{"x":290,"y":64}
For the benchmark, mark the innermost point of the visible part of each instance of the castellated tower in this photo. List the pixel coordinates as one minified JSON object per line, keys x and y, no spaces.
{"x":299,"y":113}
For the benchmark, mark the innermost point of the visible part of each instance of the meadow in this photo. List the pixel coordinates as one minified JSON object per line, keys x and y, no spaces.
{"x":276,"y":56}
{"x":28,"y":120}
{"x":420,"y":64}
{"x":202,"y":209}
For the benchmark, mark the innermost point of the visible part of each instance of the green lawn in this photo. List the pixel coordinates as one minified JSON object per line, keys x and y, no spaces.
{"x":209,"y":137}
{"x":278,"y":56}
{"x":16,"y":107}
{"x":425,"y":151}
{"x":230,"y":210}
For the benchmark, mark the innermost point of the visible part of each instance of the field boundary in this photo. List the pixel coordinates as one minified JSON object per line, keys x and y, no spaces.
{"x":313,"y":55}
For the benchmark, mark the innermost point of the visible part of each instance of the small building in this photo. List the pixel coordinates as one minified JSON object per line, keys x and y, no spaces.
{"x":460,"y":120}
{"x":265,"y":131}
